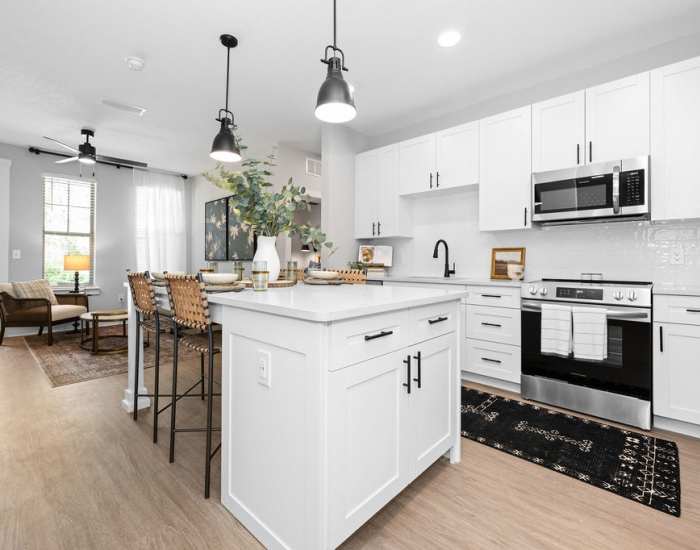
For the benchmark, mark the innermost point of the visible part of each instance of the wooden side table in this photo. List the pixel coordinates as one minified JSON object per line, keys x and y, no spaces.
{"x":91,"y":342}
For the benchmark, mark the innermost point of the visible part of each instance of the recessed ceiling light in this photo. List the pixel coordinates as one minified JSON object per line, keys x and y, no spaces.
{"x":134,"y":63}
{"x":447,"y":39}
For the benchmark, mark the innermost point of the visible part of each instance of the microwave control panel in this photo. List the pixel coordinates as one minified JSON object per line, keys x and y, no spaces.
{"x":632,"y":188}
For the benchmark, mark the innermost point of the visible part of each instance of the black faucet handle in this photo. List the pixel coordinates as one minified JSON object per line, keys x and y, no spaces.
{"x":453,"y":270}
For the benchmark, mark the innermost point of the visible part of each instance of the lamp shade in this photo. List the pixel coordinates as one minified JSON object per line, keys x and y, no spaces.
{"x":76,"y":262}
{"x":335,"y":102}
{"x":224,"y":148}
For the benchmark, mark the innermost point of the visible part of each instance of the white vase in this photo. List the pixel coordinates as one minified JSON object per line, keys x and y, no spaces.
{"x":267,"y":252}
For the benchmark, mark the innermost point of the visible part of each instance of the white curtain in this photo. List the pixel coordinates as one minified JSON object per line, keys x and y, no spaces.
{"x":161,"y":236}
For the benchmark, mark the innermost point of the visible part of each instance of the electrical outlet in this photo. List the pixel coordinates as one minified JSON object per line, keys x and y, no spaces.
{"x":264,"y":366}
{"x":121,"y":298}
{"x":677,"y":256}
{"x":16,"y":254}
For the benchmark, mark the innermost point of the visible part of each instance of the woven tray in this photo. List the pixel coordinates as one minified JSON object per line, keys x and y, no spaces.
{"x":327,"y":282}
{"x":224,"y":288}
{"x":281,"y":283}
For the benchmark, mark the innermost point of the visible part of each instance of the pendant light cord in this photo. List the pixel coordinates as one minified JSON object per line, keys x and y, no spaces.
{"x":228,"y":66}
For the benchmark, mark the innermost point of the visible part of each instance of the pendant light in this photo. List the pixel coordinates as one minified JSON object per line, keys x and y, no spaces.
{"x":225,"y":147}
{"x":335,"y":101}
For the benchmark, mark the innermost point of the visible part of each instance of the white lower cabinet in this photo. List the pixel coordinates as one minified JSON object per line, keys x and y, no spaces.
{"x":500,"y":361}
{"x":393,"y":416}
{"x":677,"y":371}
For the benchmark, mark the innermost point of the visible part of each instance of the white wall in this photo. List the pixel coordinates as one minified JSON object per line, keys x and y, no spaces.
{"x":339,"y":144}
{"x":5,"y":166}
{"x":627,"y":251}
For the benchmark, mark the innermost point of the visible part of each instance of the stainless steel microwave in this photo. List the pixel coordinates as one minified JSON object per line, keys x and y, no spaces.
{"x":595,"y":192}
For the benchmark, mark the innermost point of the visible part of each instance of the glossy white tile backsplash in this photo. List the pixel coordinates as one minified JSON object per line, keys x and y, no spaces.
{"x":662,"y":252}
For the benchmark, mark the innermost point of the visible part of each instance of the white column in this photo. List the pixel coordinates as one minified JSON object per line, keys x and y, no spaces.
{"x":128,"y":401}
{"x":5,"y":220}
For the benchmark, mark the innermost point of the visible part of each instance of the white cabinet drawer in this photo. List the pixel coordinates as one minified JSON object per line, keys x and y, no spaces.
{"x":500,"y":361}
{"x":501,"y":296}
{"x":434,"y":320}
{"x":360,"y":339}
{"x":494,"y":324}
{"x":677,"y":309}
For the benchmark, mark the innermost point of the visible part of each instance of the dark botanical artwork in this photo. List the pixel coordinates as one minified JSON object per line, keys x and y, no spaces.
{"x":215,"y":230}
{"x":240,"y":241}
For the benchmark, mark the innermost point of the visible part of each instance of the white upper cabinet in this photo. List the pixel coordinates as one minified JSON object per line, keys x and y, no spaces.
{"x":558,"y":132}
{"x":505,"y":170}
{"x":617,"y":119}
{"x":417,"y":164}
{"x":675,"y":141}
{"x":379,"y":210}
{"x":457,"y":156}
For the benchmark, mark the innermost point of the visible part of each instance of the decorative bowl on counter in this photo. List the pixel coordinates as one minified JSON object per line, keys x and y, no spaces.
{"x":220,"y":278}
{"x":515,"y":272}
{"x":322,"y":274}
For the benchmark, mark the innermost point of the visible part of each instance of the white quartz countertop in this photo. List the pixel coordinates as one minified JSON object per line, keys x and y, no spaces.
{"x":463,"y":281}
{"x":672,"y":289}
{"x":333,"y":303}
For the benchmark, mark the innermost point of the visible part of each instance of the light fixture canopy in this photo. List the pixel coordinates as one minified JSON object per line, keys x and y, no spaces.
{"x":225,"y":147}
{"x":335,"y":102}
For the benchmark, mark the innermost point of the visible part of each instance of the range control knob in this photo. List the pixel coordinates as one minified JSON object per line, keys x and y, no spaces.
{"x":532,"y":290}
{"x":543,"y":291}
{"x":632,"y":295}
{"x":618,"y":295}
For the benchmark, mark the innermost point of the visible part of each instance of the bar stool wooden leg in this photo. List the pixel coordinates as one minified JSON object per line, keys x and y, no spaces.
{"x":136,"y":363}
{"x":173,"y":402}
{"x":207,"y":467}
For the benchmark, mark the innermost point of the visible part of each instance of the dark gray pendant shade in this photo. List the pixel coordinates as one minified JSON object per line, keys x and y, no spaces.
{"x":335,"y":102}
{"x":224,"y":148}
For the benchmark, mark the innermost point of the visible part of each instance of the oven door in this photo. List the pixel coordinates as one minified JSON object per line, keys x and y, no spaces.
{"x":627,"y":369}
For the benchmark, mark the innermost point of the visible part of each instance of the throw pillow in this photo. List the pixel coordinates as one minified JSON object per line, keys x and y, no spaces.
{"x":35,"y":289}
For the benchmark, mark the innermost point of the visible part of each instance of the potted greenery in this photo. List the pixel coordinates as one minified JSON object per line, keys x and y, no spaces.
{"x":266,"y":213}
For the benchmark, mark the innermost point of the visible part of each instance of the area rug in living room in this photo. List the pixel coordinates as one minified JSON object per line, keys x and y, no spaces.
{"x":67,"y":363}
{"x":630,"y":464}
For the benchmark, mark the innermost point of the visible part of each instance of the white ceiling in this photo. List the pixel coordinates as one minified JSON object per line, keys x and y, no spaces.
{"x":59,"y":59}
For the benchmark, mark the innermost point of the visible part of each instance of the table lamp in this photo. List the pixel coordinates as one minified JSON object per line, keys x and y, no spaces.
{"x":76,"y":262}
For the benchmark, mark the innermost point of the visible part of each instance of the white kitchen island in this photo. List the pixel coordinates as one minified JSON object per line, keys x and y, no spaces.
{"x":322,"y":423}
{"x":334,"y":398}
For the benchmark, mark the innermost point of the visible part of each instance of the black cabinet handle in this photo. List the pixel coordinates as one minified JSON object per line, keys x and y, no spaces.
{"x":373,"y":224}
{"x":431,"y":180}
{"x":578,"y":153}
{"x":491,"y":360}
{"x":407,"y":384}
{"x":661,"y":338}
{"x":690,"y":310}
{"x":590,"y":151}
{"x":525,"y":217}
{"x":381,"y":334}
{"x":438,"y":320}
{"x":417,"y":357}
{"x":437,"y":179}
{"x":492,"y":296}
{"x":491,"y":324}
{"x":379,"y":228}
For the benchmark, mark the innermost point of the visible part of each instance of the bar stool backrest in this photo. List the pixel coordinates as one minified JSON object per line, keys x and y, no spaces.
{"x":142,"y":293}
{"x":188,"y":301}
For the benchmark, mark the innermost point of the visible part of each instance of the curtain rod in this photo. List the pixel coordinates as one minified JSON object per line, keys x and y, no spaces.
{"x":38,"y":151}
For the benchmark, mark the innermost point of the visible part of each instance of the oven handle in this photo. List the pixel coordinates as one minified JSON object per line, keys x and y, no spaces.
{"x":642,"y":316}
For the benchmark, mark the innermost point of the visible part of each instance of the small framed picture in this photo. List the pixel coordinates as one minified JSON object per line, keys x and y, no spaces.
{"x":507,"y":263}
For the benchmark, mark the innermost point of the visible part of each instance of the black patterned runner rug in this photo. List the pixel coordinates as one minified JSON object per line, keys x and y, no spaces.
{"x":630,"y":464}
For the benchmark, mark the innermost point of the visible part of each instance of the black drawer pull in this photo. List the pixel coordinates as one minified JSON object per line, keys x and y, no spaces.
{"x":661,"y":338}
{"x":491,"y":360}
{"x":491,"y":325}
{"x":407,"y":383}
{"x":690,"y":310}
{"x":492,"y":296}
{"x":438,"y":320}
{"x":417,"y":357}
{"x":381,"y":334}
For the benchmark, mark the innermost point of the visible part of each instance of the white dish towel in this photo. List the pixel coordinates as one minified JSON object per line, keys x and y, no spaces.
{"x":590,"y":333}
{"x":555,"y":335}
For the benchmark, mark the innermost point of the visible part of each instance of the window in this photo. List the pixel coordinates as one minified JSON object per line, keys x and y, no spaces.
{"x":69,"y":227}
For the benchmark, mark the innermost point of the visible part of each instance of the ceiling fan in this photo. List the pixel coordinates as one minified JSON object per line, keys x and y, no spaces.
{"x":87,"y":154}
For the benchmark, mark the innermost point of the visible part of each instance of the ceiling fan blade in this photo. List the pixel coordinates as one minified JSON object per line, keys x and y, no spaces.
{"x":123,"y":162}
{"x":72,"y":149}
{"x":64,"y":161}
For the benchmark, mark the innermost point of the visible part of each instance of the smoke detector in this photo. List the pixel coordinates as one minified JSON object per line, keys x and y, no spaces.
{"x":134,"y":63}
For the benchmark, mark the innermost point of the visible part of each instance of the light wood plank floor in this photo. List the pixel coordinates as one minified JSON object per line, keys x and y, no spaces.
{"x":77,"y":473}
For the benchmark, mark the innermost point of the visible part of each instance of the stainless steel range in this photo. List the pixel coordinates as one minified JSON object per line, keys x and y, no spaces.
{"x":618,"y":384}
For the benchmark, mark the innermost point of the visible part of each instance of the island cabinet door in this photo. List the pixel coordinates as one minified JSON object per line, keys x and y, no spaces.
{"x":428,"y":427}
{"x":366,"y":410}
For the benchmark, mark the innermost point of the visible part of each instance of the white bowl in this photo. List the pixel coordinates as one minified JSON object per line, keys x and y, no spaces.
{"x":219,"y":278}
{"x":327,"y":275}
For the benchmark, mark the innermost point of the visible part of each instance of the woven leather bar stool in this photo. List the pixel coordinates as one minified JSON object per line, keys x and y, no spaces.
{"x":148,"y":317}
{"x":190,"y":308}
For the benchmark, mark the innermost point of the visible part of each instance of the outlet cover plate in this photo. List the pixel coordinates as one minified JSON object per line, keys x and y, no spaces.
{"x":264,"y":366}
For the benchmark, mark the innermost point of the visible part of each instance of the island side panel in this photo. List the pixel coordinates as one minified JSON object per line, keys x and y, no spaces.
{"x":272,"y":463}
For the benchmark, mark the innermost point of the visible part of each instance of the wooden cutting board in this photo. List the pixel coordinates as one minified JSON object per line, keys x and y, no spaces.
{"x":329,"y":282}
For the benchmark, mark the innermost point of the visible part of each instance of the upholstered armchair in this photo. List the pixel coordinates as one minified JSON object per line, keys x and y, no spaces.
{"x":39,"y":312}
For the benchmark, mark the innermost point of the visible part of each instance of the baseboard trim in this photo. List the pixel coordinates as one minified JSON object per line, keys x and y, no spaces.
{"x":677,"y":426}
{"x":488,"y":381}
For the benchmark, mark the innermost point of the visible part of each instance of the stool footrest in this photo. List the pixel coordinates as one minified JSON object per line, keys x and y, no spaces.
{"x":196,"y":429}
